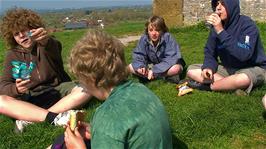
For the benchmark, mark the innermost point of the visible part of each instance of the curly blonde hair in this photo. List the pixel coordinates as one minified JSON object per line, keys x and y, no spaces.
{"x":99,"y":57}
{"x":16,"y":20}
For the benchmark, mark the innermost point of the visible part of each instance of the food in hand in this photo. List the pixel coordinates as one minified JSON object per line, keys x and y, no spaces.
{"x":76,"y":116}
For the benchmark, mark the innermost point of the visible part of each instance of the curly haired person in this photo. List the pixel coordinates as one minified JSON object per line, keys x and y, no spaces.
{"x":34,"y":85}
{"x":130,"y":113}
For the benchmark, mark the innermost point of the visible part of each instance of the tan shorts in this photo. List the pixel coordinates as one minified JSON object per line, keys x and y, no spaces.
{"x":256,"y":74}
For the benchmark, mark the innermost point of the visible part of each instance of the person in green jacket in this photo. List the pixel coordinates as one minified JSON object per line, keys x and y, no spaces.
{"x":131,"y":115}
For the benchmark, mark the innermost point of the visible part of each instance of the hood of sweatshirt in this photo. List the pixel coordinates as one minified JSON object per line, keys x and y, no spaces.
{"x":233,"y":11}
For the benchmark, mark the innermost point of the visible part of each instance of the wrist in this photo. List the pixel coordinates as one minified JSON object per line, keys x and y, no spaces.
{"x":219,"y":31}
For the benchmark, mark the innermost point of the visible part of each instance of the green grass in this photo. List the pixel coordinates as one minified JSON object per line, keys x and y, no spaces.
{"x":198,"y":120}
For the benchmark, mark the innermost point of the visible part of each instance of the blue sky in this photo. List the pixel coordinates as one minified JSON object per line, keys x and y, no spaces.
{"x":59,"y":4}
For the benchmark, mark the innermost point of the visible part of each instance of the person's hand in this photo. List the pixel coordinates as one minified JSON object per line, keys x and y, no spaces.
{"x":207,"y":74}
{"x":85,"y":130}
{"x":40,"y":36}
{"x":21,"y":85}
{"x":216,"y":21}
{"x":150,"y":75}
{"x":74,"y":139}
{"x":142,"y":71}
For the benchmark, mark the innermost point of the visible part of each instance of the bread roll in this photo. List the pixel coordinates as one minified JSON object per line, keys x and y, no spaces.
{"x":76,"y":116}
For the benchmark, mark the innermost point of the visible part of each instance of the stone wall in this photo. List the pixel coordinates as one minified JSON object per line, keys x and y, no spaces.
{"x":170,"y":10}
{"x":187,"y":12}
{"x":195,"y":10}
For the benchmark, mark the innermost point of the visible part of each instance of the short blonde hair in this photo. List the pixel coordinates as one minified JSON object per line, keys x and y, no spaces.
{"x":16,"y":20}
{"x":99,"y":57}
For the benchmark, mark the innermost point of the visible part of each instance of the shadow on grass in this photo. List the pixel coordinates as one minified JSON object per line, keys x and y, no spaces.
{"x":178,"y":144}
{"x":264,"y":115}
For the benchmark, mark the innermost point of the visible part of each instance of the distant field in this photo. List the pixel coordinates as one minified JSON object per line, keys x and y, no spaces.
{"x":109,"y":16}
{"x":198,"y":120}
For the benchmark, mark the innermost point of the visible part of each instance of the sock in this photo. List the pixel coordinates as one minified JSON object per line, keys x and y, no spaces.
{"x":205,"y":87}
{"x":50,"y":117}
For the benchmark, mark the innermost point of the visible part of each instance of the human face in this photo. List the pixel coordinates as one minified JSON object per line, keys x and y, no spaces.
{"x":154,"y":34}
{"x":221,"y":11}
{"x":23,"y":39}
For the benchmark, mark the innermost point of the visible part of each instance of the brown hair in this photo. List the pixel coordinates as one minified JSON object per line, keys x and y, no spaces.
{"x":100,"y":57}
{"x":158,"y":23}
{"x":16,"y":20}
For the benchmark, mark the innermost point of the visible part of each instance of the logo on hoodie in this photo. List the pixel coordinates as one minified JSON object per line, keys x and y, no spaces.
{"x":245,"y":45}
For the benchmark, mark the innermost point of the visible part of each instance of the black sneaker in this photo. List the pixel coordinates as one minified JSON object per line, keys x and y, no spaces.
{"x":199,"y":86}
{"x":143,"y":80}
{"x":173,"y":79}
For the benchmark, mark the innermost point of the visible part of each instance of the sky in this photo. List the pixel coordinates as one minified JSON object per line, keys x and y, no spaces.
{"x":60,"y":4}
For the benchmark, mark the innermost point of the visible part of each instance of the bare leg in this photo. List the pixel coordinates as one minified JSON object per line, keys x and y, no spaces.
{"x":233,"y":82}
{"x":195,"y":74}
{"x":131,"y":70}
{"x":174,"y":70}
{"x":220,"y":83}
{"x":77,"y":97}
{"x":21,"y":110}
{"x":264,"y":101}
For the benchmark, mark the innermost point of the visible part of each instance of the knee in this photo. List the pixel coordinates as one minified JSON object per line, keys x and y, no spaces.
{"x":131,"y":69}
{"x":242,"y":80}
{"x":174,"y":70}
{"x":191,"y":73}
{"x":2,"y":102}
{"x":264,"y":101}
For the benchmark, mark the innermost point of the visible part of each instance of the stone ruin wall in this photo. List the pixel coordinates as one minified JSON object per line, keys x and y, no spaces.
{"x":187,"y":12}
{"x":170,"y":10}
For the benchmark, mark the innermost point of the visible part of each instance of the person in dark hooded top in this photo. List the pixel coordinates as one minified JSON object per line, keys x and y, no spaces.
{"x":235,"y":40}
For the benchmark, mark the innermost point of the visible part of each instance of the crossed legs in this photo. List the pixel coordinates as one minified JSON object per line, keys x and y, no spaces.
{"x":220,"y":83}
{"x":26,"y":111}
{"x":174,"y":70}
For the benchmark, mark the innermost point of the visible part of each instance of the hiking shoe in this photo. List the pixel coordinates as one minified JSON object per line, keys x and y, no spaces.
{"x":173,"y":79}
{"x":199,"y":86}
{"x":62,"y":118}
{"x":143,"y":80}
{"x":20,"y":125}
{"x":240,"y":92}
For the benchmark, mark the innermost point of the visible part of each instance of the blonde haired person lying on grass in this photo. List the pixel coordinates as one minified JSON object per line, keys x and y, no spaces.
{"x":131,"y":116}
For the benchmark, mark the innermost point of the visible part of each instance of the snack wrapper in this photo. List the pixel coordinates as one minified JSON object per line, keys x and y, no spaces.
{"x":183,"y":89}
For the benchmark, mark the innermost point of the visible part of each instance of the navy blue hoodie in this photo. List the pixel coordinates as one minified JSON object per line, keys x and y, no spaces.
{"x":238,"y":45}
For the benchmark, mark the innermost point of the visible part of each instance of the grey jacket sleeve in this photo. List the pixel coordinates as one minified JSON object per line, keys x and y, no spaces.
{"x":171,"y":56}
{"x":140,"y":55}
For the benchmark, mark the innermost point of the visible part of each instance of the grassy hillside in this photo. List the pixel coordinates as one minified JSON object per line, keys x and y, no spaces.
{"x":198,"y":120}
{"x":109,"y":16}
